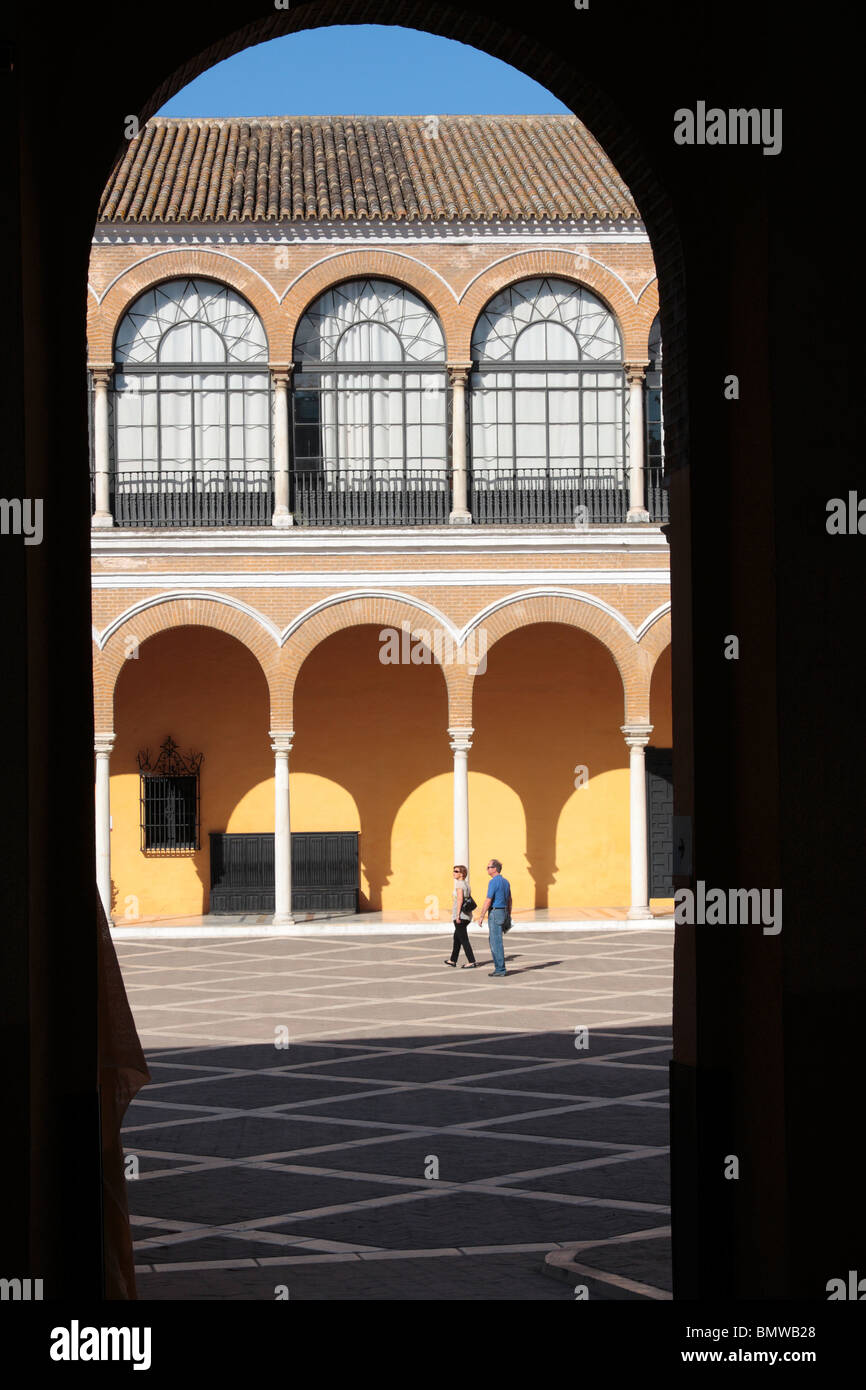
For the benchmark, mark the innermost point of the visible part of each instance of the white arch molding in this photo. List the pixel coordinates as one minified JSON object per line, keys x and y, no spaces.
{"x":459,"y":635}
{"x":204,"y":595}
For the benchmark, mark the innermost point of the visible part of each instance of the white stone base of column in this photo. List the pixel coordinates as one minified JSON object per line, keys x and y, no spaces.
{"x":102,"y":519}
{"x":282,"y":517}
{"x":639,"y":514}
{"x":460,"y":519}
{"x":282,"y":919}
{"x":638,"y":913}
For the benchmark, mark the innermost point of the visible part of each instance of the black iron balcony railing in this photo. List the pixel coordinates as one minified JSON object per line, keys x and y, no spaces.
{"x":418,"y":498}
{"x":531,"y":497}
{"x":656,"y":494}
{"x":175,"y":497}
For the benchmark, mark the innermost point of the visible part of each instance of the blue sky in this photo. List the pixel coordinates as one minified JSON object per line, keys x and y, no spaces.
{"x":361,"y":70}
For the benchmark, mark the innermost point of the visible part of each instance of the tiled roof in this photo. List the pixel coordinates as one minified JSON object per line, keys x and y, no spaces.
{"x":347,"y":167}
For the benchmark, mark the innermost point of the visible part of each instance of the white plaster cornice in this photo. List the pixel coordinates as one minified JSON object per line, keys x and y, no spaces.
{"x":165,"y":543}
{"x":363,"y":580}
{"x":324,"y":231}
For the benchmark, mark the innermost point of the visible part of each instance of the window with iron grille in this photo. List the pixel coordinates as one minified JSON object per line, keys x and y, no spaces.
{"x":370,"y":386}
{"x":653,"y":412}
{"x":170,"y":800}
{"x":189,"y":414}
{"x":548,"y":391}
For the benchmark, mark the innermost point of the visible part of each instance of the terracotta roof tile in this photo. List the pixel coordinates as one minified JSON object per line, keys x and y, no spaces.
{"x":267,"y":169}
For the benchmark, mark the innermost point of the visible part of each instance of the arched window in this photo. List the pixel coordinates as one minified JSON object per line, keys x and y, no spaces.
{"x":654,"y":441}
{"x":191,"y":420}
{"x":370,"y":407}
{"x":548,"y":394}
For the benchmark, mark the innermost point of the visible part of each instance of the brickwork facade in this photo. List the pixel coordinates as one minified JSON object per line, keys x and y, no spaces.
{"x":281,"y":593}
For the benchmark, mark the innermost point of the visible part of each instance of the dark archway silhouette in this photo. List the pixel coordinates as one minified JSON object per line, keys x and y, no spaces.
{"x":771,"y":789}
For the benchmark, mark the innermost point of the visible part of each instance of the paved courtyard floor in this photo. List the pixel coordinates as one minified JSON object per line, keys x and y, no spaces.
{"x":347,"y":1118}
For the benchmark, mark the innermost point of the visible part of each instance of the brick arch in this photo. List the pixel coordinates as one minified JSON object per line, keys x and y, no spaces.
{"x":177,"y":611}
{"x":563,"y":265}
{"x":186,"y":264}
{"x":656,"y":639}
{"x":573,"y":611}
{"x":376,"y":610}
{"x":361,"y":264}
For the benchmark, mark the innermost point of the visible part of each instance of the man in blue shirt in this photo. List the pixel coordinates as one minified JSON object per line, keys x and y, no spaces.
{"x":498,"y":905}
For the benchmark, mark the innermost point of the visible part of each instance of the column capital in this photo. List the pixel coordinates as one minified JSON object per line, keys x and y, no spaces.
{"x":282,"y":740}
{"x":103,"y":743}
{"x":637,"y":735}
{"x":101,"y":372}
{"x":635,"y":371}
{"x":281,"y":372}
{"x":461,"y":739}
{"x":458,"y":372}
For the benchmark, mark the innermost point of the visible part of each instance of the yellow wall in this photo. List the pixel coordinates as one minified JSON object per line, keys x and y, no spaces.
{"x":551,"y":700}
{"x":209,"y":693}
{"x":371,"y":753}
{"x":379,"y":732}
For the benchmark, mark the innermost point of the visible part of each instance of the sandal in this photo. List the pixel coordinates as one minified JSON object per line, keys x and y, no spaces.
{"x":452,"y":963}
{"x":470,"y":965}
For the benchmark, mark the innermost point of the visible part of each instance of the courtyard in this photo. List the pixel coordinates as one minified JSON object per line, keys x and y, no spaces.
{"x":343,"y":1117}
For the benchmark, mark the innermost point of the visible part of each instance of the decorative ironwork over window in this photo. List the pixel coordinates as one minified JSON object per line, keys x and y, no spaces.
{"x":548,"y":406}
{"x":370,"y":403}
{"x":190,"y":411}
{"x":170,"y":800}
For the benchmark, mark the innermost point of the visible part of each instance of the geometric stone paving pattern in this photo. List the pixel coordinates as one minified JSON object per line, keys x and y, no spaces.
{"x":305,"y":1167}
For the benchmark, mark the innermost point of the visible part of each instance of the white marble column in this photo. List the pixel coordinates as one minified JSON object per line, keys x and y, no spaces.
{"x":281,"y":378}
{"x":281,"y":745}
{"x":635,"y":374}
{"x":458,"y":373}
{"x":101,"y":379}
{"x":103,"y":744}
{"x":637,"y":737}
{"x":461,"y":742}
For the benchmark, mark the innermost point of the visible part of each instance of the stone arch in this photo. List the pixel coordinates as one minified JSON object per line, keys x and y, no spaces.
{"x":181,"y":610}
{"x":342,"y":612}
{"x":574,"y":610}
{"x":564,"y":265}
{"x":104,"y":318}
{"x":361,"y":264}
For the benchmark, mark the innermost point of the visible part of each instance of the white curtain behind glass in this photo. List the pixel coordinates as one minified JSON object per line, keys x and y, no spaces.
{"x":377,"y":421}
{"x":552,"y":418}
{"x":217,"y":419}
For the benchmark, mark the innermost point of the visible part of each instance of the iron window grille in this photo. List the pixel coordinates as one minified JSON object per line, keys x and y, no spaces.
{"x":370,"y":427}
{"x":170,"y":795}
{"x":656,"y":489}
{"x":190,"y":412}
{"x":548,"y":427}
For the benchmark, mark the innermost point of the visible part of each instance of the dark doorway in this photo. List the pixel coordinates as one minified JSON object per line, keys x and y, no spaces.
{"x":660,"y":813}
{"x":324,"y":872}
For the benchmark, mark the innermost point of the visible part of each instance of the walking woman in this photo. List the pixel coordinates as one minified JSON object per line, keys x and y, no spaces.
{"x":461,"y":916}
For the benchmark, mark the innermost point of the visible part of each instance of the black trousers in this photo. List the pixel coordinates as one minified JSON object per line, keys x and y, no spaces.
{"x":461,"y":938}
